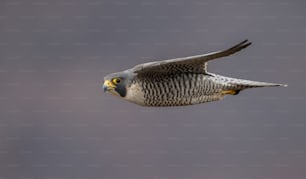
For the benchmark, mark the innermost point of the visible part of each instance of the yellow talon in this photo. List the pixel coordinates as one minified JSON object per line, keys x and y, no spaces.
{"x":231,"y":92}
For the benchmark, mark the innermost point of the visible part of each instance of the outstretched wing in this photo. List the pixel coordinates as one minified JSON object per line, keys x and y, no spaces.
{"x":194,"y":64}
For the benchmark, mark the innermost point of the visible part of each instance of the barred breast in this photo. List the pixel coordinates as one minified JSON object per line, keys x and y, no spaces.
{"x":179,"y":89}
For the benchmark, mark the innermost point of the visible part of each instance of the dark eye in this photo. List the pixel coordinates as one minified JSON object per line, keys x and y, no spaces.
{"x":116,"y":80}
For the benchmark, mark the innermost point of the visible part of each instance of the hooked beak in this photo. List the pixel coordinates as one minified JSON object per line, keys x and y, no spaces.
{"x":108,"y":86}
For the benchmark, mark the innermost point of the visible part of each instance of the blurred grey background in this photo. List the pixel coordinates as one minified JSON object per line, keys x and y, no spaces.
{"x":57,"y":123}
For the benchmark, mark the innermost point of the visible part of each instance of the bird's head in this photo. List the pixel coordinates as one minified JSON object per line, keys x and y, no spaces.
{"x":117,"y":83}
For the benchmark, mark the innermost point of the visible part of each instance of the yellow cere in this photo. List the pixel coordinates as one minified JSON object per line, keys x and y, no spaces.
{"x":109,"y":84}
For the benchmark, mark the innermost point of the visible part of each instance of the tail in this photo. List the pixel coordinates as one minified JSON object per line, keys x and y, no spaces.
{"x":236,"y":85}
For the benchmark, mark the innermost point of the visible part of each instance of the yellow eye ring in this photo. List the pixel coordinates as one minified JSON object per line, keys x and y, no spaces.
{"x":116,"y":80}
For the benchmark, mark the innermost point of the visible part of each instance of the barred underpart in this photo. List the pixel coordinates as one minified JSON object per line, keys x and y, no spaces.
{"x":180,"y":89}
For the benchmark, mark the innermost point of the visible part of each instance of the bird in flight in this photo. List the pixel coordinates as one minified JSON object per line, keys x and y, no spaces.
{"x":178,"y":82}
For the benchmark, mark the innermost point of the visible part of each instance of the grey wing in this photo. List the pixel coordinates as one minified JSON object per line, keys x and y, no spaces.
{"x":194,"y":64}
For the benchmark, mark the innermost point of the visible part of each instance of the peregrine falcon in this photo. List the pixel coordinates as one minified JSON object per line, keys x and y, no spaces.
{"x":178,"y":82}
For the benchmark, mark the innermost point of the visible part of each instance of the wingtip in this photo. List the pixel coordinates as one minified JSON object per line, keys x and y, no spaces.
{"x":244,"y":44}
{"x":247,"y":42}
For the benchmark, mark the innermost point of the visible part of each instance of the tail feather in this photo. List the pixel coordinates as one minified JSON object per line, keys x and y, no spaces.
{"x":238,"y":84}
{"x":257,"y":83}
